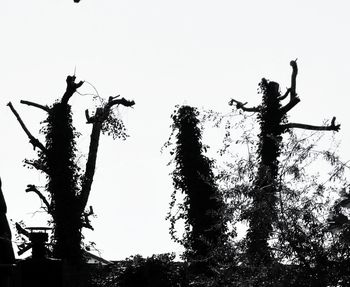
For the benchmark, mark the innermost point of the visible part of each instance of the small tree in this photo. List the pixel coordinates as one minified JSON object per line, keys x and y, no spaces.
{"x":272,"y":116}
{"x":67,"y":186}
{"x":202,"y":208}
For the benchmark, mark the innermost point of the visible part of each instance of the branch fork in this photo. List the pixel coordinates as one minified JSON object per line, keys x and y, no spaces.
{"x":293,"y":101}
{"x":33,"y":188}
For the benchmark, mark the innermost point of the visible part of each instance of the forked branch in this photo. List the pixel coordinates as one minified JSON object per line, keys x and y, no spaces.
{"x":32,"y":188}
{"x":281,"y":98}
{"x":97,"y":120}
{"x":34,"y":141}
{"x":292,"y":90}
{"x":114,"y":101}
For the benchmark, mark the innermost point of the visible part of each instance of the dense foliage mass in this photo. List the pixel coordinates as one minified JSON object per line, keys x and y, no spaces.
{"x":202,"y":209}
{"x":262,"y":213}
{"x":155,"y":271}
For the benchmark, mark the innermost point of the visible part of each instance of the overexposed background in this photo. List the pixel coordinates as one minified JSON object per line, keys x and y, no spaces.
{"x":159,"y":53}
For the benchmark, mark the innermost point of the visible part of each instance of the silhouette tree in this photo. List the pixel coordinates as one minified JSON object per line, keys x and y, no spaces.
{"x":272,"y":115}
{"x":67,"y":186}
{"x":202,"y":208}
{"x":6,"y":251}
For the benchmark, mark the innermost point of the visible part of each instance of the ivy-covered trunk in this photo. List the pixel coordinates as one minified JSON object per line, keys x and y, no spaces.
{"x":67,"y":186}
{"x":263,"y":212}
{"x":272,"y":116}
{"x":6,"y":251}
{"x":203,"y":207}
{"x":63,"y":180}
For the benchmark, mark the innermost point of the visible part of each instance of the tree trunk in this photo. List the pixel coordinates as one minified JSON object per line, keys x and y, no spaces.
{"x":6,"y":251}
{"x":263,"y":212}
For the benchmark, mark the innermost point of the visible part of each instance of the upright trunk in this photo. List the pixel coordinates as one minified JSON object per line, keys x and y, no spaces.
{"x":272,"y":117}
{"x":91,"y":162}
{"x":263,"y":212}
{"x":63,"y":183}
{"x":203,"y":201}
{"x":6,"y":251}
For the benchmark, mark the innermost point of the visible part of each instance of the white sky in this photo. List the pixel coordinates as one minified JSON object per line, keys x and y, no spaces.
{"x":158,"y":53}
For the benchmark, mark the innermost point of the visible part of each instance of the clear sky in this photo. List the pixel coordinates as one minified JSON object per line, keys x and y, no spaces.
{"x":159,"y":53}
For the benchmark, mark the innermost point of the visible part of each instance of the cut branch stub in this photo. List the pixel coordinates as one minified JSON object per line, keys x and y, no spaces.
{"x":240,"y":105}
{"x":71,"y":88}
{"x":45,"y":108}
{"x":37,"y":165}
{"x":294,"y":100}
{"x":102,"y":113}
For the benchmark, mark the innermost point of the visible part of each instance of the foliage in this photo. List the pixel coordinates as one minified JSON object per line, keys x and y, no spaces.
{"x":114,"y":126}
{"x":157,"y":270}
{"x":310,"y":175}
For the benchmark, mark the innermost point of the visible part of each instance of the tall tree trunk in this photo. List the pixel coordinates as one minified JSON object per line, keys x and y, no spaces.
{"x":262,"y":214}
{"x":272,"y":117}
{"x":6,"y":251}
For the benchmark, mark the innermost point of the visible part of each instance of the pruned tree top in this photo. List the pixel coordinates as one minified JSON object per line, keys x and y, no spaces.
{"x":284,"y":109}
{"x":68,"y":186}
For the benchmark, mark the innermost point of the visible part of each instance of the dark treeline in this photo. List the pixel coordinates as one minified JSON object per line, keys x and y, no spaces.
{"x":296,"y":235}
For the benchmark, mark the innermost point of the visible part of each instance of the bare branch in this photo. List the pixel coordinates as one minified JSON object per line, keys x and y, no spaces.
{"x":32,"y":187}
{"x":331,"y":127}
{"x":101,"y":115}
{"x":90,"y":164}
{"x":113,"y":101}
{"x":35,"y":142}
{"x":45,"y":108}
{"x":36,"y":165}
{"x":293,"y":102}
{"x":89,"y":119}
{"x":240,"y":105}
{"x":21,"y":230}
{"x":281,"y":98}
{"x":292,"y":90}
{"x":293,"y":84}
